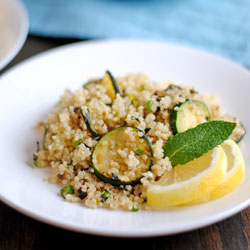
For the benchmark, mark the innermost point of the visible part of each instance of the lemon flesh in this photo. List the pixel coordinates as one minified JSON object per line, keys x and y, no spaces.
{"x":190,"y":181}
{"x":234,"y":175}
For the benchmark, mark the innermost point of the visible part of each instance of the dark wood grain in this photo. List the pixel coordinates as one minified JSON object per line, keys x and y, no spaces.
{"x":18,"y":231}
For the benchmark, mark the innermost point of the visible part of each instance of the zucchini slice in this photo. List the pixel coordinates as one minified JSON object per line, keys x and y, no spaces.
{"x":112,"y":87}
{"x":86,"y":118}
{"x":112,"y":159}
{"x":188,"y":115}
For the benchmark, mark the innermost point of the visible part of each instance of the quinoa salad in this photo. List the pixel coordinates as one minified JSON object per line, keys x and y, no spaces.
{"x":104,"y":142}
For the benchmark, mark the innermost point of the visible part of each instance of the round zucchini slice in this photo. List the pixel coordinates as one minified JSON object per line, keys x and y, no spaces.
{"x":122,"y":156}
{"x":188,"y":114}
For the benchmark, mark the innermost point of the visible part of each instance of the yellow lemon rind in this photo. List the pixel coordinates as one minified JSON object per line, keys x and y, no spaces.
{"x":231,"y":179}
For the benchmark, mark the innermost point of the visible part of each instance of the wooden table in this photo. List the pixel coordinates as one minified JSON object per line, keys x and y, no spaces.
{"x":20,"y":232}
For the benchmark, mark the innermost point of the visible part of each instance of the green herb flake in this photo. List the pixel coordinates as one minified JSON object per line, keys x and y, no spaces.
{"x":86,"y":118}
{"x":77,"y":142}
{"x":149,"y":105}
{"x":142,"y":87}
{"x":70,"y":163}
{"x":134,"y":102}
{"x":135,"y":118}
{"x":35,"y":159}
{"x":105,"y":195}
{"x":117,"y":114}
{"x":139,"y":151}
{"x":66,"y":190}
{"x":135,"y":208}
{"x":44,"y":136}
{"x":194,"y":142}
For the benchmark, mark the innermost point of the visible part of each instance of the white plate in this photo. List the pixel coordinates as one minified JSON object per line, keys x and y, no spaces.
{"x":13,"y":29}
{"x":31,"y":89}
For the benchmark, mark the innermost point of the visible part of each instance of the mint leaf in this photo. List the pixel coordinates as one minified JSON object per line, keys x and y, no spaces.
{"x":195,"y":142}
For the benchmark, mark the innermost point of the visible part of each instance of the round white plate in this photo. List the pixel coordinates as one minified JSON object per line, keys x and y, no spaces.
{"x":30,"y":90}
{"x":13,"y":29}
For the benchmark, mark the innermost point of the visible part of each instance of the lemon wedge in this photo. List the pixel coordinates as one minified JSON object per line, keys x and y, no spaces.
{"x":234,"y":175}
{"x":190,"y":181}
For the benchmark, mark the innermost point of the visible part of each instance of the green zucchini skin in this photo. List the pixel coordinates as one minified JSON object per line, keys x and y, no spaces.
{"x":44,"y":137}
{"x":87,"y":121}
{"x":99,"y":81}
{"x":175,"y":119}
{"x":239,"y":139}
{"x":115,"y":85}
{"x":172,"y":119}
{"x":114,"y":180}
{"x":95,"y":81}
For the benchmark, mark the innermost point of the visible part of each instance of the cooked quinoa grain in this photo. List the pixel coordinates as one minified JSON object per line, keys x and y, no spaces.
{"x":142,"y":104}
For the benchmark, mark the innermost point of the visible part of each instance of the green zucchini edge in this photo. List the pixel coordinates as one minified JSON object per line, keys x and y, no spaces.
{"x":240,"y":138}
{"x":87,"y":121}
{"x":114,"y":83}
{"x":174,"y":114}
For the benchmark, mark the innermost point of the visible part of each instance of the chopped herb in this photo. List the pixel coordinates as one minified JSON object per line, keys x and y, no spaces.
{"x":35,"y":156}
{"x":77,"y":142}
{"x":60,"y":176}
{"x":105,"y":195}
{"x":139,"y":151}
{"x":158,"y":98}
{"x":135,"y":208}
{"x":133,"y":99}
{"x":86,"y":118}
{"x":117,"y":114}
{"x":82,"y":195}
{"x":149,"y":105}
{"x":239,"y":138}
{"x":75,"y":109}
{"x":142,"y":87}
{"x":44,"y":136}
{"x":70,"y":163}
{"x":135,"y":118}
{"x":192,"y":91}
{"x":114,"y":176}
{"x":37,"y":146}
{"x":35,"y":159}
{"x":173,"y":86}
{"x":66,"y":190}
{"x":134,"y":102}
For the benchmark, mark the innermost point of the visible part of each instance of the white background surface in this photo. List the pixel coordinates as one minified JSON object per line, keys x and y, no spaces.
{"x":30,"y":90}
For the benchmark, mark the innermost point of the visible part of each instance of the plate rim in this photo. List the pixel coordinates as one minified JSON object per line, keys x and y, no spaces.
{"x":128,"y":233}
{"x":98,"y":42}
{"x":24,"y":24}
{"x":123,"y":232}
